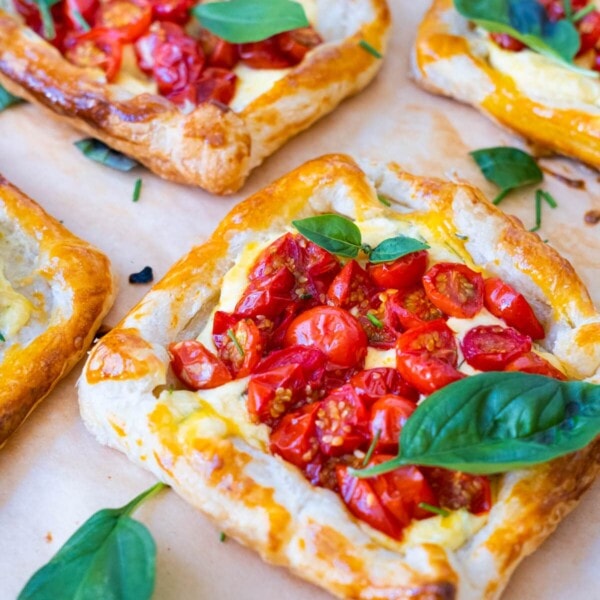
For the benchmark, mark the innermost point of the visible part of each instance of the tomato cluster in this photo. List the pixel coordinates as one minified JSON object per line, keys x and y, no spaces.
{"x":588,"y":27}
{"x":301,"y":330}
{"x":186,"y":68}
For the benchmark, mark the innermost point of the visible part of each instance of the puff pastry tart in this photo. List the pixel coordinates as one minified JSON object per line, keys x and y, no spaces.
{"x":149,"y":82}
{"x":54,"y":291}
{"x":262,"y":368}
{"x":545,"y":100}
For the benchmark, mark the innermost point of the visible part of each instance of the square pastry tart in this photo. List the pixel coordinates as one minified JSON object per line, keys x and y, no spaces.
{"x":54,"y":291}
{"x":149,"y":81}
{"x":549,"y":96}
{"x":263,"y":368}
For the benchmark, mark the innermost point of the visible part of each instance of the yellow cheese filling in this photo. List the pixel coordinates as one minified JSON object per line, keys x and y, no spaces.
{"x":15,"y":309}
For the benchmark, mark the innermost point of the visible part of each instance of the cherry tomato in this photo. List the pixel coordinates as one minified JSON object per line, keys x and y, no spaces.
{"x":102,"y":48}
{"x":332,"y":330}
{"x":239,"y":343}
{"x":507,"y":42}
{"x":296,"y":43}
{"x":388,"y":416}
{"x":410,"y":307}
{"x":312,"y":361}
{"x":506,"y":303}
{"x":294,"y":438}
{"x":175,"y":11}
{"x":534,"y":363}
{"x":372,"y":384}
{"x":589,"y":30}
{"x":403,"y":272}
{"x":196,"y":366}
{"x":86,"y":8}
{"x":492,"y":347}
{"x":219,"y":53}
{"x":351,"y":287}
{"x":379,"y":334}
{"x":130,"y":18}
{"x":268,"y":295}
{"x":454,"y":289}
{"x":263,"y":55}
{"x":455,"y":490}
{"x":426,"y":357}
{"x":216,"y":84}
{"x":342,"y":422}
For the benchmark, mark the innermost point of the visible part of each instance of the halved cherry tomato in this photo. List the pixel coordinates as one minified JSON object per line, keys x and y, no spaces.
{"x":218,"y":52}
{"x":455,"y":490}
{"x":536,"y":364}
{"x":351,"y":287}
{"x":372,"y":384}
{"x":175,"y":11}
{"x":238,"y":341}
{"x":216,"y":84}
{"x":102,"y":48}
{"x":130,"y":18}
{"x":312,"y":361}
{"x":505,"y":303}
{"x":454,"y":289}
{"x":196,"y":366}
{"x":296,"y":43}
{"x":294,"y":438}
{"x":332,"y":330}
{"x":507,"y":42}
{"x":426,"y":357}
{"x":267,"y":295}
{"x":388,"y":416}
{"x":342,"y":422}
{"x":379,"y":334}
{"x":492,"y":347}
{"x":263,"y":55}
{"x":410,"y":307}
{"x":589,"y":31}
{"x":403,"y":272}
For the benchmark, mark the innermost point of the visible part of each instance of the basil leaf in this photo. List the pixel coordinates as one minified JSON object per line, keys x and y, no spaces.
{"x":396,"y":247}
{"x":111,"y":556}
{"x":100,"y":152}
{"x":242,"y":21}
{"x":332,"y":232}
{"x":508,"y":168}
{"x":7,"y":99}
{"x":496,"y":422}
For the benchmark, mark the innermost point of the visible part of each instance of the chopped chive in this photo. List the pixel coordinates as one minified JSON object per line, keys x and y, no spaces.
{"x":49,"y":30}
{"x":222,"y":536}
{"x":460,"y":236}
{"x":2,"y":338}
{"x":433,"y":509}
{"x":306,"y":296}
{"x":137,"y":188}
{"x":538,"y":210}
{"x":366,"y":46}
{"x":374,"y":320}
{"x":371,"y":449}
{"x":231,"y":336}
{"x":79,"y":19}
{"x":383,"y":200}
{"x":547,"y":196}
{"x":586,"y":10}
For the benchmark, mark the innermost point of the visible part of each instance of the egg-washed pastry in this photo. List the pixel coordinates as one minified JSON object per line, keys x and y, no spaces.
{"x":150,"y":82}
{"x":542,"y":98}
{"x":263,"y":368}
{"x":54,"y":291}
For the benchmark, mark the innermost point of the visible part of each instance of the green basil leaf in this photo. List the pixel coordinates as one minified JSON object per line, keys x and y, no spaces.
{"x":509,"y":168}
{"x":396,"y":247}
{"x":7,"y":99}
{"x":242,"y":21}
{"x":336,"y":234}
{"x":100,"y":152}
{"x":497,"y":422}
{"x":111,"y":556}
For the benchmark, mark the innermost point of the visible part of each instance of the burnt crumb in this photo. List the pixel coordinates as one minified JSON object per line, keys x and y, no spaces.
{"x":592,"y":217}
{"x":144,"y":276}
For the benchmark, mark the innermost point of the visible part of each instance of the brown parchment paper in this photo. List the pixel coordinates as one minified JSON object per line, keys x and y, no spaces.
{"x":53,"y":474}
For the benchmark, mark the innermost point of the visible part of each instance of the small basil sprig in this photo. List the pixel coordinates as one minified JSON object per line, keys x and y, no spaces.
{"x":98,"y":151}
{"x":497,"y":422}
{"x":242,"y":21}
{"x":341,"y":236}
{"x":509,"y":168}
{"x":7,"y":99}
{"x":110,"y":556}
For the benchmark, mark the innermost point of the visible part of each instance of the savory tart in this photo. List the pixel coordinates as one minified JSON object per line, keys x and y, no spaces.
{"x":149,"y":81}
{"x":54,"y":291}
{"x":549,"y":95}
{"x":264,"y":368}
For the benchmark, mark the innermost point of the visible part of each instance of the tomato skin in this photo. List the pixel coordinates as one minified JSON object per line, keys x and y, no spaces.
{"x":351,"y":287}
{"x":312,"y":361}
{"x":492,"y":347}
{"x":401,"y":273}
{"x":388,"y":416}
{"x":454,"y":289}
{"x":267,"y":296}
{"x":504,"y":302}
{"x":410,"y":308}
{"x":129,"y":18}
{"x":294,"y":438}
{"x":507,"y":42}
{"x":455,"y":490}
{"x":196,"y":366}
{"x":372,"y":384}
{"x":98,"y":47}
{"x":332,"y":330}
{"x":536,"y":364}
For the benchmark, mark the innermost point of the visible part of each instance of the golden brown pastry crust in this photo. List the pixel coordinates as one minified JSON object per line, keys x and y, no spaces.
{"x":445,"y":63}
{"x":212,"y":146}
{"x":80,"y":292}
{"x":266,"y":503}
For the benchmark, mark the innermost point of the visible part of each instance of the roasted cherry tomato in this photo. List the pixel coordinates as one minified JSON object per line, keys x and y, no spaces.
{"x":263,"y":55}
{"x":426,"y":357}
{"x":312,"y":361}
{"x":534,"y":363}
{"x":455,"y":490}
{"x":589,"y":31}
{"x":351,"y":287}
{"x":130,"y":18}
{"x":238,"y":341}
{"x":102,"y":48}
{"x":218,"y":52}
{"x":342,"y":422}
{"x":507,"y":42}
{"x":332,"y":330}
{"x":372,"y":384}
{"x":388,"y":416}
{"x":401,"y":273}
{"x":379,"y":334}
{"x":175,"y":11}
{"x":196,"y":366}
{"x":294,"y":438}
{"x":454,"y":289}
{"x":410,"y":307}
{"x":216,"y":84}
{"x":492,"y":347}
{"x":506,"y":303}
{"x":267,"y":295}
{"x":296,"y":43}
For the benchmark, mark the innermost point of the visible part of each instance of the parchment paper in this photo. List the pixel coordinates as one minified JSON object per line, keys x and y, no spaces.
{"x":53,"y":474}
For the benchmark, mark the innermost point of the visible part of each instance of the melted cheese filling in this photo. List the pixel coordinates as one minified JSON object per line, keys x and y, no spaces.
{"x":15,"y":309}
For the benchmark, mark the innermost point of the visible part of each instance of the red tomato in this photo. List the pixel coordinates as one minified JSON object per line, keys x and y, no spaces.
{"x":455,"y":490}
{"x":130,"y":18}
{"x":589,"y":30}
{"x":296,"y":43}
{"x":556,"y":8}
{"x":216,"y":84}
{"x":332,"y":330}
{"x":342,"y":422}
{"x":409,"y":308}
{"x":311,"y":360}
{"x":388,"y":416}
{"x":534,"y":363}
{"x":492,"y":347}
{"x":267,"y":296}
{"x":232,"y":334}
{"x":454,"y":289}
{"x":372,"y":384}
{"x":426,"y":357}
{"x":219,"y":53}
{"x":263,"y":55}
{"x":102,"y":48}
{"x":506,"y":303}
{"x":86,"y":8}
{"x":507,"y":42}
{"x":351,"y":287}
{"x":294,"y":438}
{"x":379,"y":334}
{"x":196,"y":366}
{"x":175,"y":11}
{"x":402,"y":273}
